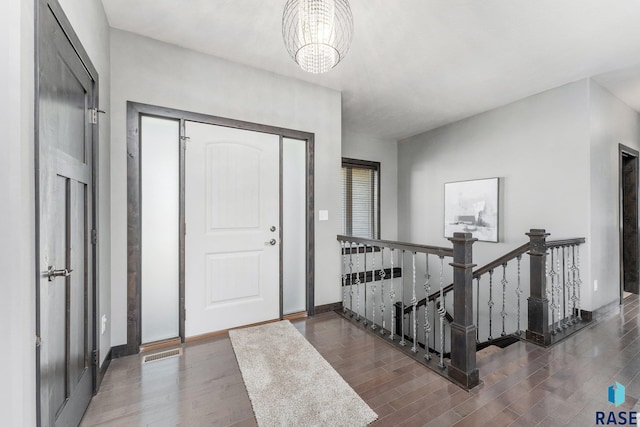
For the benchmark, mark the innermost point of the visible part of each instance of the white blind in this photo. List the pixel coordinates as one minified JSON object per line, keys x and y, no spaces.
{"x":360,"y":192}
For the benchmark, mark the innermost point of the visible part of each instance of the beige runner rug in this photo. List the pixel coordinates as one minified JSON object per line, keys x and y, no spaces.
{"x":290,"y":383}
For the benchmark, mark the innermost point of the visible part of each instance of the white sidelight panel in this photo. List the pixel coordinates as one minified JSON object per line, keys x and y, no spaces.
{"x":159,"y":146}
{"x":294,"y":225}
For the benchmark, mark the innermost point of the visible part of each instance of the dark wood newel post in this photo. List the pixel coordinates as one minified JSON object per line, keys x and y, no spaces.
{"x":463,"y":367}
{"x":538,"y":323}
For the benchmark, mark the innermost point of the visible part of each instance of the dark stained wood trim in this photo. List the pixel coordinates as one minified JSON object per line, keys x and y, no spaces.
{"x":134,"y":112}
{"x":310,"y":224}
{"x":325,"y":308}
{"x":103,"y":370}
{"x":119,"y":351}
{"x":134,"y":229}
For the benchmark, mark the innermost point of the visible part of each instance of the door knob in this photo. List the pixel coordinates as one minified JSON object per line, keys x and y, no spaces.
{"x":271,"y":242}
{"x":273,"y":228}
{"x":52,"y":273}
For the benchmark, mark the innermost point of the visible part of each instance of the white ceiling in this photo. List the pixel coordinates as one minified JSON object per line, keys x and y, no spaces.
{"x":417,"y":64}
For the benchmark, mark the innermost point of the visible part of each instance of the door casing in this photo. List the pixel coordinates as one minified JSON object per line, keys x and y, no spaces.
{"x":628,"y":158}
{"x":134,"y":283}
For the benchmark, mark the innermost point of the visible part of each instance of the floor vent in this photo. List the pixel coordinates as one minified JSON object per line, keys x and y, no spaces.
{"x":176,"y":352}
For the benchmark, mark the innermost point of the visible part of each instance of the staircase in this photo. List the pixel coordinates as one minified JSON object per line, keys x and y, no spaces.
{"x":531,"y":293}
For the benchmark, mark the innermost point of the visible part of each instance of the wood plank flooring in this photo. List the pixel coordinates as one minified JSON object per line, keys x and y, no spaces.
{"x":523,"y":385}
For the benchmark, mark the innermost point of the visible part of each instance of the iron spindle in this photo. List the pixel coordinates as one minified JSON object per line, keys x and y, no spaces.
{"x":373,"y":287}
{"x":519,"y":294}
{"x":490,"y":304}
{"x":358,"y":283}
{"x":364,"y":273}
{"x":565,"y":271}
{"x":402,"y":340}
{"x":382,"y":276}
{"x":504,"y":282}
{"x":558,"y":289}
{"x":552,"y":303}
{"x":427,"y":326}
{"x":392,"y":297}
{"x":478,"y":309}
{"x":578,"y":282}
{"x":414,"y":303}
{"x":441,"y":311}
{"x":572,"y":268}
{"x":344,"y":277}
{"x":351,"y":279}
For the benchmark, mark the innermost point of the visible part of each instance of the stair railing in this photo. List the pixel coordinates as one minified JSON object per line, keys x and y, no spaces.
{"x":361,"y":298}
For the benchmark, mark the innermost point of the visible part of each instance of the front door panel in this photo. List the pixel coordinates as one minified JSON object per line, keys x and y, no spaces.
{"x":231,"y":205}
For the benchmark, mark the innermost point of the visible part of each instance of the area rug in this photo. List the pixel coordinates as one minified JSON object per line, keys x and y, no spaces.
{"x":290,"y":383}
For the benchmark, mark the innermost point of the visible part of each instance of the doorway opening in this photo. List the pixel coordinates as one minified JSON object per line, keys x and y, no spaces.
{"x":202,"y":216}
{"x":629,"y":243}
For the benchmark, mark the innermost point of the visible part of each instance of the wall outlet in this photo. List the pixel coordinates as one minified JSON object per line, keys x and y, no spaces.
{"x":323,"y":215}
{"x":103,"y":324}
{"x":595,"y":285}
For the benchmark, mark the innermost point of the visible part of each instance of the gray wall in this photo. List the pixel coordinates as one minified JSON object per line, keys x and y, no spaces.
{"x":364,"y":147}
{"x":17,"y":218}
{"x":538,"y":146}
{"x":557,"y":156}
{"x":148,"y":71}
{"x":611,"y":122}
{"x":17,"y":259}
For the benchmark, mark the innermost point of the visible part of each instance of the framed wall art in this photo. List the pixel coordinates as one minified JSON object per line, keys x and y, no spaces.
{"x":472,"y":206}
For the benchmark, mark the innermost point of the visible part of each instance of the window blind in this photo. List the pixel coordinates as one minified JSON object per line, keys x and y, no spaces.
{"x":360,"y":198}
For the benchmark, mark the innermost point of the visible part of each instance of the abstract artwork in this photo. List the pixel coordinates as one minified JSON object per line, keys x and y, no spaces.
{"x":472,"y":206}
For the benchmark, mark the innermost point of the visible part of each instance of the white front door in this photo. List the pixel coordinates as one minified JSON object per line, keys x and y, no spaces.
{"x":232,"y":202}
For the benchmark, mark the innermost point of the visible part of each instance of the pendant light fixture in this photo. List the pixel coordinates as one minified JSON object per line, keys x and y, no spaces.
{"x":317,"y":33}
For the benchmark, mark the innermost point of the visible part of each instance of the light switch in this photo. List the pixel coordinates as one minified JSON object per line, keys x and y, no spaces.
{"x":323,"y":215}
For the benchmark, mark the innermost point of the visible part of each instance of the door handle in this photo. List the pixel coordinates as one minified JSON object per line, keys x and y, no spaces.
{"x":52,"y":273}
{"x":271,"y":242}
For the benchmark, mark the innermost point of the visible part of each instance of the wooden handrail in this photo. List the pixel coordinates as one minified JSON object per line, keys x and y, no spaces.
{"x":411,"y":247}
{"x":502,"y":260}
{"x":565,"y":242}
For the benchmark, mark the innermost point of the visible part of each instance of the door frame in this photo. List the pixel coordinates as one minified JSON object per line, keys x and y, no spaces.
{"x":135,"y":111}
{"x":624,"y":151}
{"x":74,"y":40}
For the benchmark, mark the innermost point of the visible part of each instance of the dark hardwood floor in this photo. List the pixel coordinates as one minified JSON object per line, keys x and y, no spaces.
{"x":523,"y":385}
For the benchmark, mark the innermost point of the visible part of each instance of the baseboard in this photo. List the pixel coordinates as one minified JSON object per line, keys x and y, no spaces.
{"x":586,"y":315}
{"x":103,"y":370}
{"x":319,"y":309}
{"x":119,"y":351}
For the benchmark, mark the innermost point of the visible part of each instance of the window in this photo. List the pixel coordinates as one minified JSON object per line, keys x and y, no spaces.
{"x":361,"y":198}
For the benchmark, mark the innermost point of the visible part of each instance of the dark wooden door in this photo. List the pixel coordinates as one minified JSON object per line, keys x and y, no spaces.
{"x":65,"y":195}
{"x":629,"y":206}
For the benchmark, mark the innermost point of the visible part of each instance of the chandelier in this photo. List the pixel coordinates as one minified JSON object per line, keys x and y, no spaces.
{"x":317,"y":33}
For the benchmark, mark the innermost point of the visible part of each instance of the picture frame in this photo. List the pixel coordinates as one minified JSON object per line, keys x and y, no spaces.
{"x":472,"y":206}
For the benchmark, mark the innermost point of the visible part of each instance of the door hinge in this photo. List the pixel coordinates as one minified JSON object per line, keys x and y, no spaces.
{"x":95,"y":354}
{"x":38,"y":341}
{"x":94,"y":237}
{"x":93,"y":116}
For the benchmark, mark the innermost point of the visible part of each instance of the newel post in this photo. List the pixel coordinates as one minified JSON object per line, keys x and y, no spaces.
{"x":463,"y":367}
{"x":538,"y":323}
